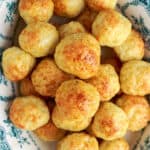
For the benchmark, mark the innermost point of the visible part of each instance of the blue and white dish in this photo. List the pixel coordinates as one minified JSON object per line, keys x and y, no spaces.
{"x":12,"y":138}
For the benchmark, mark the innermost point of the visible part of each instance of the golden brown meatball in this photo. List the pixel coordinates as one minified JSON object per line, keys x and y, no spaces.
{"x":78,"y":141}
{"x":111,"y":28}
{"x":26,"y":87}
{"x":110,"y":122}
{"x":119,"y":144}
{"x":68,"y":8}
{"x":106,"y":81}
{"x":98,"y":5}
{"x":78,"y":97}
{"x":47,"y":77}
{"x":134,"y":78}
{"x":39,"y":39}
{"x":16,"y":63}
{"x":132,"y":48}
{"x":36,"y":10}
{"x":50,"y":132}
{"x":29,"y":112}
{"x":78,"y":54}
{"x":65,"y":121}
{"x":76,"y":104}
{"x":137,"y":110}
{"x":86,"y":18}
{"x":71,"y":28}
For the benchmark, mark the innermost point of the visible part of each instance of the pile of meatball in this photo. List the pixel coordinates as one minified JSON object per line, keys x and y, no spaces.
{"x":68,"y":90}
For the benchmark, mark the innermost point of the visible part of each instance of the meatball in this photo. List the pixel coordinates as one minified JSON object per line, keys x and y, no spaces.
{"x":110,"y":122}
{"x":47,"y":77}
{"x":76,"y":103}
{"x":22,"y":116}
{"x":137,"y":110}
{"x":39,"y":39}
{"x":98,"y":5}
{"x":36,"y":10}
{"x":86,"y":18}
{"x":132,"y":48}
{"x":134,"y":78}
{"x":106,"y":82}
{"x":65,"y":121}
{"x":78,"y":54}
{"x":68,"y":8}
{"x":26,"y":87}
{"x":111,"y":28}
{"x":118,"y":144}
{"x":78,"y":141}
{"x":16,"y":63}
{"x":70,"y":28}
{"x":50,"y":132}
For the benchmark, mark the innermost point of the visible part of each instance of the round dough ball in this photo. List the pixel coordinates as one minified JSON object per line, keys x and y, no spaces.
{"x":70,"y":28}
{"x":132,"y":48}
{"x":26,"y":87}
{"x":106,"y":81}
{"x":98,"y":5}
{"x":68,"y":8}
{"x":77,"y":102}
{"x":77,"y":97}
{"x":65,"y":121}
{"x":36,"y":10}
{"x":16,"y":63}
{"x":137,"y":110}
{"x":119,"y":144}
{"x":22,"y":116}
{"x":50,"y":132}
{"x":86,"y":18}
{"x":78,"y":54}
{"x":110,"y":122}
{"x":47,"y":77}
{"x":111,"y":28}
{"x":39,"y":39}
{"x":78,"y":141}
{"x":134,"y":78}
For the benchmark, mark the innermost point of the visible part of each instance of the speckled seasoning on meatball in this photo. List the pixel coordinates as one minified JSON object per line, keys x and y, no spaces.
{"x":29,"y":112}
{"x":78,"y":54}
{"x":132,"y":48}
{"x":78,"y":141}
{"x":110,"y":122}
{"x":137,"y":110}
{"x":39,"y":39}
{"x":134,"y":78}
{"x":99,"y":5}
{"x":106,"y":81}
{"x":111,"y":28}
{"x":16,"y":63}
{"x":120,"y":144}
{"x":47,"y":77}
{"x":36,"y":10}
{"x":76,"y":104}
{"x":68,"y":8}
{"x":71,"y":28}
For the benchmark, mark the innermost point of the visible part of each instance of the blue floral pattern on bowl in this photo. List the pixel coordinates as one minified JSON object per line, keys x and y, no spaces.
{"x":12,"y":138}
